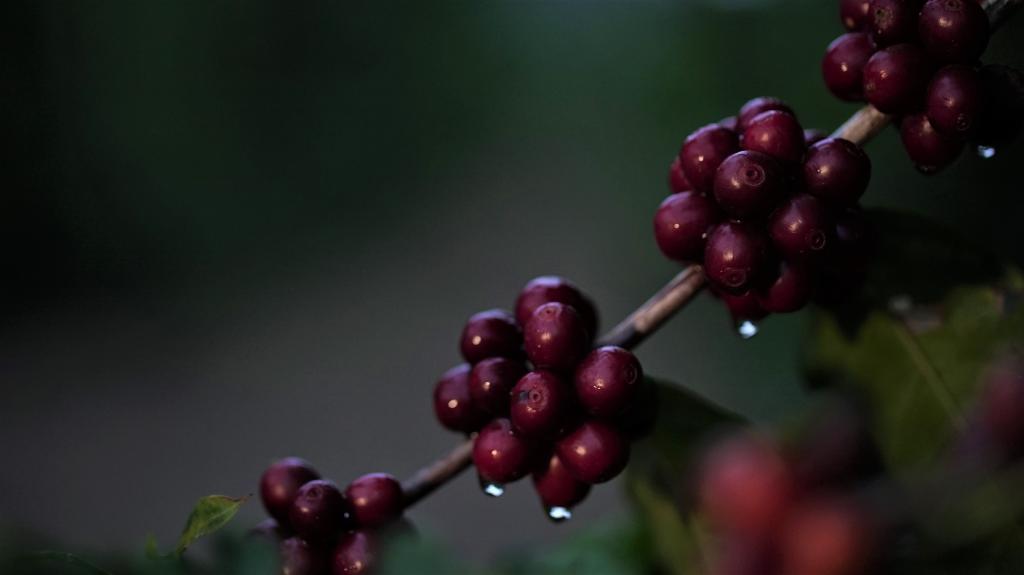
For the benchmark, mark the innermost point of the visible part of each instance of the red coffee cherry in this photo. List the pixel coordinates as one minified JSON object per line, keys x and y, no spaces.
{"x":702,"y":153}
{"x":376,"y":499}
{"x":491,"y":382}
{"x":735,"y":256}
{"x":682,"y":224}
{"x":556,"y":337}
{"x":540,"y":402}
{"x":836,"y":171}
{"x":954,"y":100}
{"x":491,"y":333}
{"x":607,"y":381}
{"x":929,"y":149}
{"x":895,"y":78}
{"x":500,"y":454}
{"x":843,"y":65}
{"x":954,"y":31}
{"x":453,"y":404}
{"x":547,"y":289}
{"x":559,"y":491}
{"x":777,"y":134}
{"x":594,"y":452}
{"x":281,"y":482}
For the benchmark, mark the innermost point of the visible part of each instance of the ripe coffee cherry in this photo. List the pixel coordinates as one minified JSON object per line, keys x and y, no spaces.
{"x":730,"y":123}
{"x":539,"y":403}
{"x":744,"y":486}
{"x":594,"y":452}
{"x":491,"y":382}
{"x":954,"y":100}
{"x":500,"y":454}
{"x":812,"y":136}
{"x":355,"y":553}
{"x":376,"y":499}
{"x":893,"y":21}
{"x":828,"y":536}
{"x":735,"y":255}
{"x":837,"y":171}
{"x":1002,"y":116}
{"x":319,"y":510}
{"x":682,"y":224}
{"x":676,"y":179}
{"x":788,"y":290}
{"x":547,"y":289}
{"x":777,"y":134}
{"x":279,"y":484}
{"x":300,"y":558}
{"x":743,"y":307}
{"x":608,"y":380}
{"x":453,"y":403}
{"x":854,"y":13}
{"x":929,"y":149}
{"x":895,"y":79}
{"x":491,"y":333}
{"x":702,"y":153}
{"x":843,"y":65}
{"x":954,"y":31}
{"x":758,"y":106}
{"x":557,"y":487}
{"x":799,"y":228}
{"x":749,"y":184}
{"x":556,"y":337}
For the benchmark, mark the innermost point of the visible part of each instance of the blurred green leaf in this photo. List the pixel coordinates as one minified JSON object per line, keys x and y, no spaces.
{"x":210,"y":514}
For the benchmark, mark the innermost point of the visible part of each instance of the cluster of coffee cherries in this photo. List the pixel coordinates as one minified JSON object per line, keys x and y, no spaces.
{"x":540,"y":400}
{"x":767,"y":208}
{"x":323,"y":530}
{"x":919,"y":61}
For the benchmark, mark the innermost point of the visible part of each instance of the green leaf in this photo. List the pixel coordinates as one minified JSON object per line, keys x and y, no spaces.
{"x":210,"y":514}
{"x":68,"y":558}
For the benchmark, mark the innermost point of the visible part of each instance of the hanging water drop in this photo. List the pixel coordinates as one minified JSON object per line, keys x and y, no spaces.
{"x":986,"y":152}
{"x":747,"y":329}
{"x":559,"y":514}
{"x":491,"y":488}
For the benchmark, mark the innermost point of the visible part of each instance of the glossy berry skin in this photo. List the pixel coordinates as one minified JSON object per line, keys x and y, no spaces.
{"x":843,"y":65}
{"x":702,"y":153}
{"x":749,"y":184}
{"x":777,"y":134}
{"x":300,"y":558}
{"x":682,"y":224}
{"x":556,"y":337}
{"x":854,"y":14}
{"x":355,"y":553}
{"x":547,"y":289}
{"x":608,"y":380}
{"x":279,"y":484}
{"x":744,"y":486}
{"x":954,"y":100}
{"x":893,"y":21}
{"x":836,"y":171}
{"x":556,"y":487}
{"x":319,"y":511}
{"x":735,"y":255}
{"x":758,"y":106}
{"x":540,"y":402}
{"x":788,"y":290}
{"x":953,"y":31}
{"x":594,"y":452}
{"x":491,"y":333}
{"x":500,"y":454}
{"x":929,"y":149}
{"x":895,"y":78}
{"x":375,"y":499}
{"x":827,"y":536}
{"x":453,"y":404}
{"x":676,"y":178}
{"x":800,"y":228}
{"x":491,"y":382}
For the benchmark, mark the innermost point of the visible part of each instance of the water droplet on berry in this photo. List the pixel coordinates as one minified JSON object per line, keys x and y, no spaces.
{"x":747,"y":329}
{"x":986,"y":152}
{"x":559,"y":514}
{"x":491,"y":488}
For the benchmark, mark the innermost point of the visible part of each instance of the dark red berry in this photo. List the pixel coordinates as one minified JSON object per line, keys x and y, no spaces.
{"x":376,"y":499}
{"x":676,"y":178}
{"x":556,"y":337}
{"x":777,"y":134}
{"x":812,"y":136}
{"x":800,"y":227}
{"x":895,"y":78}
{"x":954,"y":100}
{"x":758,"y":106}
{"x":608,"y":380}
{"x":854,"y":13}
{"x":319,"y":511}
{"x":453,"y":403}
{"x":540,"y":402}
{"x":743,"y":307}
{"x":355,"y":553}
{"x":491,"y":382}
{"x":702,"y":153}
{"x":279,"y":484}
{"x":730,"y":123}
{"x":893,"y":21}
{"x":788,"y":290}
{"x":300,"y":558}
{"x":1002,"y":406}
{"x":749,"y":184}
{"x":557,"y":487}
{"x":1002,"y":116}
{"x":547,"y":289}
{"x":735,"y":255}
{"x":682,"y":224}
{"x":929,"y":149}
{"x":954,"y":31}
{"x":837,"y":171}
{"x":827,"y":536}
{"x":843,"y":65}
{"x":491,"y":333}
{"x":500,"y":454}
{"x":594,"y":452}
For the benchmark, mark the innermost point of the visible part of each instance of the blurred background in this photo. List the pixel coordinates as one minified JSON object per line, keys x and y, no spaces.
{"x":235,"y":231}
